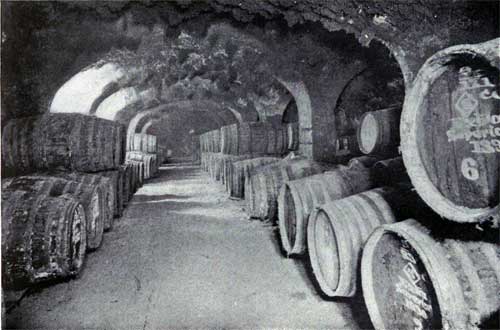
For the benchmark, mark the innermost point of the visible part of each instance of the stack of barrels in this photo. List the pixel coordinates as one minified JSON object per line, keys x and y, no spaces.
{"x":143,"y":155}
{"x":419,"y":232}
{"x":64,"y":184}
{"x":236,"y":142}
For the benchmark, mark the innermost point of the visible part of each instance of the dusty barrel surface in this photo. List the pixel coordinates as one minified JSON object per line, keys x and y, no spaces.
{"x":261,"y":138}
{"x":137,"y":175}
{"x":126,"y":171}
{"x":43,"y":237}
{"x":105,"y":186}
{"x":116,"y":191}
{"x":240,"y":172}
{"x":66,"y":141}
{"x":366,"y":161}
{"x":214,"y":140}
{"x":336,"y":234}
{"x":149,"y":160}
{"x":378,"y":131}
{"x":229,"y":139}
{"x":267,"y":180}
{"x":215,"y":165}
{"x":450,"y":132}
{"x":227,"y":168}
{"x":428,"y":283}
{"x":298,"y":198}
{"x":87,"y":190}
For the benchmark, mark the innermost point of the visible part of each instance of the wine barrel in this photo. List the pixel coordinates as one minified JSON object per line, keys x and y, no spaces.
{"x":126,"y":169}
{"x":214,"y":140}
{"x":378,"y":131}
{"x":388,"y":172}
{"x":336,"y":234}
{"x":105,"y":186}
{"x":411,"y":279}
{"x":266,"y":181}
{"x":90,"y":196}
{"x":298,"y":198}
{"x":137,"y":175}
{"x":215,"y":166}
{"x":116,"y":191}
{"x":240,"y":171}
{"x":67,"y":141}
{"x":450,"y":132}
{"x":261,"y":138}
{"x":203,"y":161}
{"x":227,"y":164}
{"x":229,"y":139}
{"x":366,"y":161}
{"x":293,"y":136}
{"x":43,"y":237}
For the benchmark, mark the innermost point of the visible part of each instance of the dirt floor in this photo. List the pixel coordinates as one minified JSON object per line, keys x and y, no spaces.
{"x":185,"y":256}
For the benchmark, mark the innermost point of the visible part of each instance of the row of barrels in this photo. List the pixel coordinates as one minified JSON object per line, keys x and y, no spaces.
{"x":358,"y":222}
{"x":51,"y":219}
{"x":143,"y":142}
{"x":406,"y":265}
{"x":72,"y":142}
{"x":448,"y":132}
{"x":380,"y":222}
{"x":149,"y":160}
{"x":251,"y":138}
{"x":210,"y":141}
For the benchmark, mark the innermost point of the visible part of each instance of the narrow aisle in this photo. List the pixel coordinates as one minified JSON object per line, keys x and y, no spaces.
{"x":184,"y":256}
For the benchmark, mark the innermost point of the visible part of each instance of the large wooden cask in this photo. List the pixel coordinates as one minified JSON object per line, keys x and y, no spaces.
{"x":254,"y":138}
{"x":116,"y":191}
{"x":298,"y":198}
{"x":93,"y":180}
{"x":227,"y":165}
{"x":336,"y":235}
{"x":91,"y":197}
{"x":149,"y":160}
{"x":229,"y":139}
{"x":64,"y":141}
{"x":214,"y":140}
{"x":414,"y":280}
{"x":378,"y":131}
{"x":240,"y":172}
{"x":266,"y":181}
{"x":261,"y":138}
{"x":126,"y":169}
{"x":450,"y":132}
{"x":137,"y":175}
{"x":43,"y":237}
{"x":215,"y":165}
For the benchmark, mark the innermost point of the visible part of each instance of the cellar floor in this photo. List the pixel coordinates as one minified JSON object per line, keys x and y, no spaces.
{"x":185,"y":256}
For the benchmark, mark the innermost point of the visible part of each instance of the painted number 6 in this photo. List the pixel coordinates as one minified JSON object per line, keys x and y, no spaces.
{"x":469,"y":169}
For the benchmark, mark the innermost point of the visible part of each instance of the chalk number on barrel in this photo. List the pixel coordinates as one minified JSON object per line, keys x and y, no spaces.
{"x":470,"y":169}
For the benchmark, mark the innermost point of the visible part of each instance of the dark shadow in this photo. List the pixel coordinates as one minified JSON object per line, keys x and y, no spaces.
{"x":492,"y":322}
